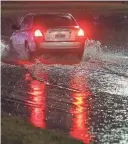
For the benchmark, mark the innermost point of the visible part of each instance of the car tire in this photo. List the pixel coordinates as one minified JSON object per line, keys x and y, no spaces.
{"x":28,"y":55}
{"x":80,"y":56}
{"x":81,"y":53}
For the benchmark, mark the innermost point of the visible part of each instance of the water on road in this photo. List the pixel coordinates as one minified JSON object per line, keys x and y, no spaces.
{"x":87,"y":100}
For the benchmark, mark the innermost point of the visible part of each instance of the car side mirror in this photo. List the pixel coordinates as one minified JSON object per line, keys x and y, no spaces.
{"x":16,"y":27}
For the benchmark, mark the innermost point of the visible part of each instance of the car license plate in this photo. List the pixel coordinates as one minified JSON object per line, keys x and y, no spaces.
{"x":60,"y":36}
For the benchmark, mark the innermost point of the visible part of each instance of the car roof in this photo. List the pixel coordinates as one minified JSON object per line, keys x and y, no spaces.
{"x":50,"y":14}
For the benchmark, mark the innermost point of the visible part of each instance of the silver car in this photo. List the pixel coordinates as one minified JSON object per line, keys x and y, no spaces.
{"x":47,"y":33}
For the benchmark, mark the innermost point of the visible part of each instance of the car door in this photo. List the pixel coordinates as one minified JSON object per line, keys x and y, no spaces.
{"x":14,"y":39}
{"x":23,"y":36}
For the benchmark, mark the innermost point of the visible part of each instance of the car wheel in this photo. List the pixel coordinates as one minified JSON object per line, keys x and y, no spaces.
{"x":80,"y":56}
{"x":30,"y":56}
{"x":26,"y":54}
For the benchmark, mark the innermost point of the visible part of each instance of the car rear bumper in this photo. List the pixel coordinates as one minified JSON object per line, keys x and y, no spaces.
{"x":61,"y":46}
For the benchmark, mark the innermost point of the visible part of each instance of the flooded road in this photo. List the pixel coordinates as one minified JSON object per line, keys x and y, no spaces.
{"x":88,"y":101}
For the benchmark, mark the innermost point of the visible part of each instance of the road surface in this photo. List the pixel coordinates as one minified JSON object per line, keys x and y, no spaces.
{"x":87,"y":100}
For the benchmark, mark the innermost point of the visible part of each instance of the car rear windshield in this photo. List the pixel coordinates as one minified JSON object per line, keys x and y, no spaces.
{"x":54,"y":20}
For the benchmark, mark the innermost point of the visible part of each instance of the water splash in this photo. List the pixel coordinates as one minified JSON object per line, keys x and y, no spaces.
{"x":4,"y":49}
{"x":93,"y":50}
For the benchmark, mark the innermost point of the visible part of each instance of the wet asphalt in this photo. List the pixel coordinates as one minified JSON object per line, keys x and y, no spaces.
{"x":87,"y":100}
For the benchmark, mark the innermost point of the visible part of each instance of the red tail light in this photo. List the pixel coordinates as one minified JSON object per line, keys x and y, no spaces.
{"x":80,"y":33}
{"x":38,"y":33}
{"x":38,"y":36}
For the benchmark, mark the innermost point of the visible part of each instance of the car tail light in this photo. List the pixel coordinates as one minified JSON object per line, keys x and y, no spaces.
{"x":39,"y":37}
{"x":80,"y":33}
{"x":38,"y":33}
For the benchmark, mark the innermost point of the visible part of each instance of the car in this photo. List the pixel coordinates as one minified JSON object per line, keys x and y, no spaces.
{"x":40,"y":33}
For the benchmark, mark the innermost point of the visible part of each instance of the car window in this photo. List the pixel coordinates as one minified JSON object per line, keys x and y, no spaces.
{"x":54,"y":20}
{"x":26,"y":23}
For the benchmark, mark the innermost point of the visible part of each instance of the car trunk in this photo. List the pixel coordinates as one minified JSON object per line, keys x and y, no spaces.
{"x":61,"y":34}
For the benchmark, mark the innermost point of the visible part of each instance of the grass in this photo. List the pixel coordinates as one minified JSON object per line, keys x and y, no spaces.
{"x":15,"y":130}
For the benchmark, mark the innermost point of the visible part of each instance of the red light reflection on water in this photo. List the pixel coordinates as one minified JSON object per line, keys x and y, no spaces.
{"x":80,"y":125}
{"x":37,"y":98}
